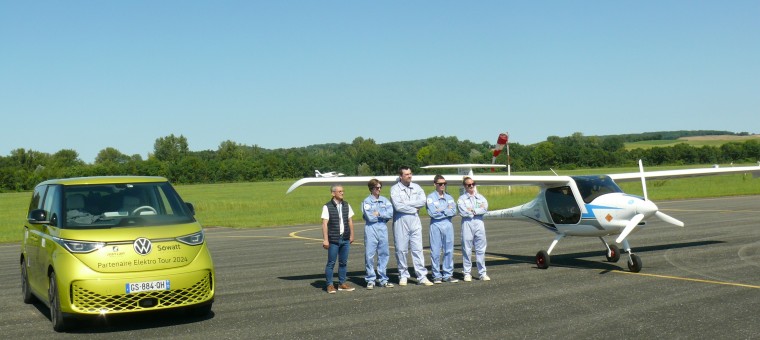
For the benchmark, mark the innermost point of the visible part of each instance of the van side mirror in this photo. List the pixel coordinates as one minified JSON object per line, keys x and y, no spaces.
{"x":191,"y":207}
{"x":38,"y":216}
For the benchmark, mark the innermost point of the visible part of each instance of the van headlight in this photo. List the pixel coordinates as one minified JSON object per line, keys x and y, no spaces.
{"x":192,"y":239}
{"x":79,"y":247}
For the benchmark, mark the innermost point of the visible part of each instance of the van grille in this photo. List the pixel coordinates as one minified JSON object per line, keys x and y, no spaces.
{"x":87,"y":301}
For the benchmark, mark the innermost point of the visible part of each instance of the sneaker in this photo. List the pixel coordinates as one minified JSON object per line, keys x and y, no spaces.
{"x":424,"y":281}
{"x":345,"y":287}
{"x":437,"y":280}
{"x":402,"y":281}
{"x":485,"y":277}
{"x":370,"y":285}
{"x":331,"y":289}
{"x":467,"y":277}
{"x":450,"y":279}
{"x":386,"y":284}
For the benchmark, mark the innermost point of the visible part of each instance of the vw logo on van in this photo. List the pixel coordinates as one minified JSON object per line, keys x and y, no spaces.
{"x":142,"y":246}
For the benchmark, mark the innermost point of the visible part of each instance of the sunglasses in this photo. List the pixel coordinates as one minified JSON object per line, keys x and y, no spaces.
{"x":378,"y":188}
{"x":470,"y":185}
{"x":441,"y":184}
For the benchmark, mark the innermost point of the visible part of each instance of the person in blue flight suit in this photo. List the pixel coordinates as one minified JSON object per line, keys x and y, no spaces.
{"x":442,"y":208}
{"x":376,"y":211}
{"x":472,"y":207}
{"x":408,"y":198}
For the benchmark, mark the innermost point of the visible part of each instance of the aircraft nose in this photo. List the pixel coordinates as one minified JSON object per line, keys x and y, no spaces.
{"x":647,"y":208}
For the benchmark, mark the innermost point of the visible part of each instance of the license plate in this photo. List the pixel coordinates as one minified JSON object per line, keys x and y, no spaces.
{"x":138,"y":287}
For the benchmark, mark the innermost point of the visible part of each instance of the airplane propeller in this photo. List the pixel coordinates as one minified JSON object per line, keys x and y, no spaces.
{"x":668,"y":219}
{"x":629,"y":227}
{"x":646,"y":209}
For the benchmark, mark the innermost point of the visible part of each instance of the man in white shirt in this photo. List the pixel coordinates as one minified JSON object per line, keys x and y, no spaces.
{"x":337,"y":236}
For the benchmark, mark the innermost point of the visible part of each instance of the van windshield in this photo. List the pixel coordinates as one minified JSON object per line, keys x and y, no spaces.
{"x":123,"y":205}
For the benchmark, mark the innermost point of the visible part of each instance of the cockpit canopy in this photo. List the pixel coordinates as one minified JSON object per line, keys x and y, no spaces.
{"x":591,"y":187}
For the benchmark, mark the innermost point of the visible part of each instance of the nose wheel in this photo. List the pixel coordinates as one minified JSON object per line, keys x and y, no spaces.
{"x":634,"y":263}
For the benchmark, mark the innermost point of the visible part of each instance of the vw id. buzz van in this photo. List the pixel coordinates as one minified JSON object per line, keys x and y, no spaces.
{"x":107,"y":245}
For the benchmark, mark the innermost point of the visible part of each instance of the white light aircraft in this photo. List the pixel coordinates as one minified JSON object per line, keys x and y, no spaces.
{"x":327,"y":174}
{"x":587,"y":206}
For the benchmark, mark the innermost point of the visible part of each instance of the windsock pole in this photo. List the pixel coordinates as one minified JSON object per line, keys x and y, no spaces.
{"x":509,"y":162}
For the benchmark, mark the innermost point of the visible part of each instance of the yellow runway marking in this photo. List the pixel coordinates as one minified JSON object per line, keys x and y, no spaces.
{"x":692,"y":280}
{"x":295,"y":235}
{"x":249,"y":236}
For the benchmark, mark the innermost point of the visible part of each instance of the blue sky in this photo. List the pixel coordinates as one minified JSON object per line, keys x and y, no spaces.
{"x":86,"y":75}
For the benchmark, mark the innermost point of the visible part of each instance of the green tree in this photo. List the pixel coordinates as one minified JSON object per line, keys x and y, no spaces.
{"x":544,"y":156}
{"x":170,"y":148}
{"x":28,"y":159}
{"x":112,"y":155}
{"x":364,"y":170}
{"x":230,"y":150}
{"x":65,"y":158}
{"x":733,"y":152}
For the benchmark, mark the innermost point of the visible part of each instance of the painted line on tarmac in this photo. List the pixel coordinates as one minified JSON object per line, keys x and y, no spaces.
{"x":249,"y":236}
{"x":690,"y":279}
{"x":295,"y":235}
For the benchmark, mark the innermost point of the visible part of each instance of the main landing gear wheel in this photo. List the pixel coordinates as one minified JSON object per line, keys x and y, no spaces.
{"x":542,"y":259}
{"x":634,"y":263}
{"x":614,"y":253}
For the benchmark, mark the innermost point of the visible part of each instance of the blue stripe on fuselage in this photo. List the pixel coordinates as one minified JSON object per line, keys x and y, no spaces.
{"x":590,"y":210}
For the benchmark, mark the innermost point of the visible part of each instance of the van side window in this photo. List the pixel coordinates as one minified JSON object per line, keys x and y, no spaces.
{"x":52,"y":204}
{"x":39,"y":193}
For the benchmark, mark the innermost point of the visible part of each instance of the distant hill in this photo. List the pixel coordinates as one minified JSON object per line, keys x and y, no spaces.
{"x":672,"y":135}
{"x":696,"y":141}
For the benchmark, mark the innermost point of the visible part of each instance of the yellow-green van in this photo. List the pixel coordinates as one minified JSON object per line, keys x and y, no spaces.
{"x":113,"y":244}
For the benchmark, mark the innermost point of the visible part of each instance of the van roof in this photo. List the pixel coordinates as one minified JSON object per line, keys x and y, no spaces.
{"x":105,"y":180}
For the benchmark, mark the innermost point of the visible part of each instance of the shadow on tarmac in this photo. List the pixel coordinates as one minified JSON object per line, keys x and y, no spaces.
{"x":571,"y":260}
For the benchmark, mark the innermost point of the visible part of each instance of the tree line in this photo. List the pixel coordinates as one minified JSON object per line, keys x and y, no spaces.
{"x":234,"y":162}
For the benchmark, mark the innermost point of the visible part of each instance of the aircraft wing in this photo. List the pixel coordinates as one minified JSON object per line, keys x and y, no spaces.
{"x":345,"y":181}
{"x":428,"y":179}
{"x":541,"y":181}
{"x":666,"y":174}
{"x":463,"y":166}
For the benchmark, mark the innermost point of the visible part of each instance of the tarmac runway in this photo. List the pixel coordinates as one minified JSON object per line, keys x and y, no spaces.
{"x":701,"y":281}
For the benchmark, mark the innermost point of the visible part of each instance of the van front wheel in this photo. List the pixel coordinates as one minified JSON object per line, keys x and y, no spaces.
{"x":60,"y":323}
{"x":26,"y":292}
